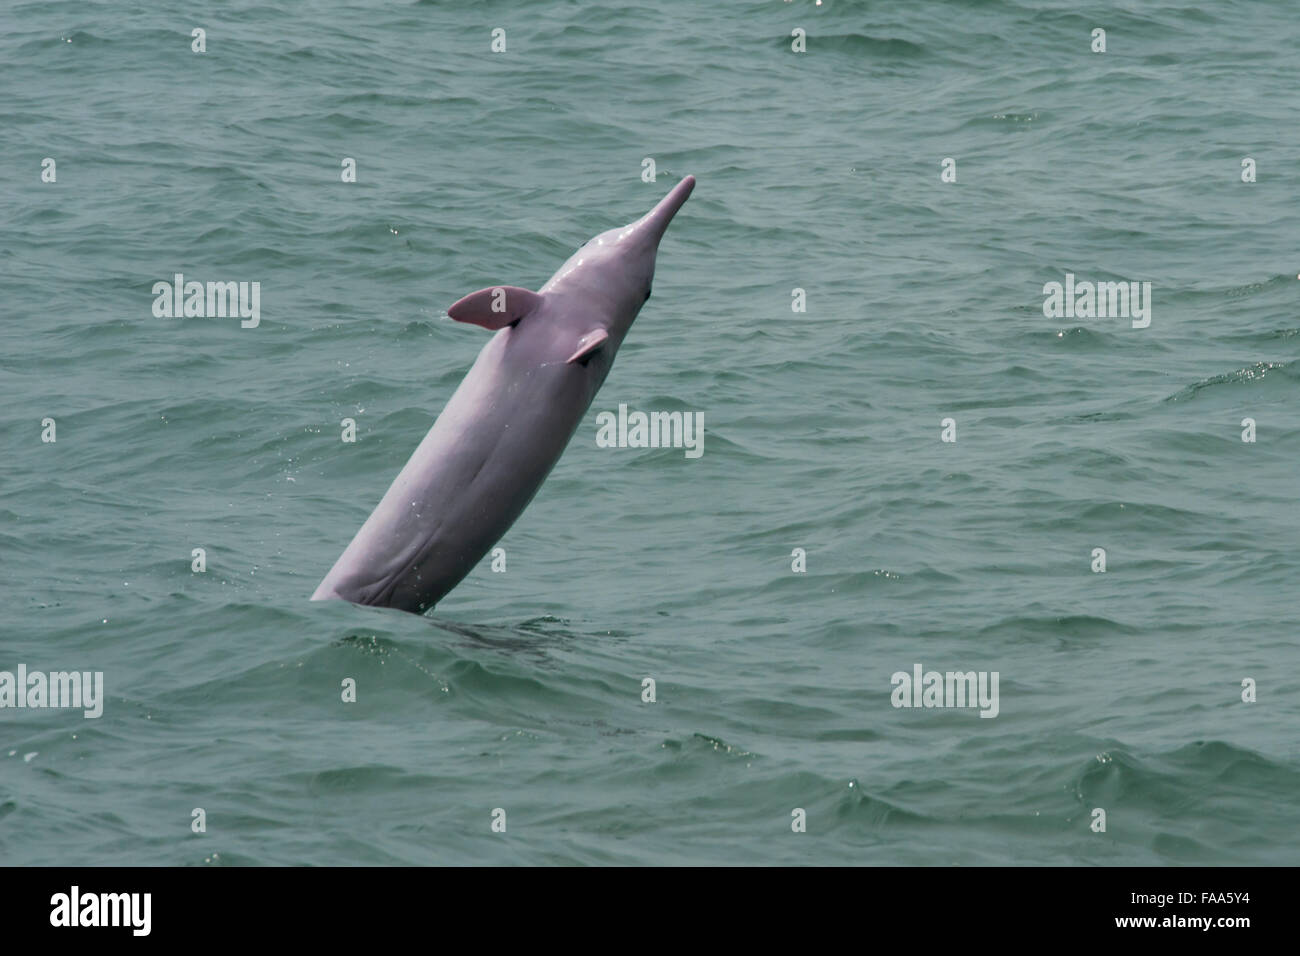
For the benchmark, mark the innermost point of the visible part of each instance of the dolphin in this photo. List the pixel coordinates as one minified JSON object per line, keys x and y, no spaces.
{"x":507,"y":424}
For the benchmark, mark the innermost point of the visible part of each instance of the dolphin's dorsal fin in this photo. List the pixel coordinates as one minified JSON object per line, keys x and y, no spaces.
{"x":587,"y":345}
{"x":495,"y":307}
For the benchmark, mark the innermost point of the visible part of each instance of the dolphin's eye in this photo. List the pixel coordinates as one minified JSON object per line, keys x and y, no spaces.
{"x":584,"y":243}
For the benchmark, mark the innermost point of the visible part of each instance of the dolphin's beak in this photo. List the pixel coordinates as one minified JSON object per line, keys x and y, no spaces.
{"x":658,"y":218}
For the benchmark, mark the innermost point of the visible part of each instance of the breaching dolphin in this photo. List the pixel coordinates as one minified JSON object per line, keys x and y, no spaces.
{"x":508,"y":422}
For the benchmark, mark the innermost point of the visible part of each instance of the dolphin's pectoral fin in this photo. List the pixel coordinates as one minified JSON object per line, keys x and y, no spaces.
{"x":587,"y":346}
{"x":495,"y":307}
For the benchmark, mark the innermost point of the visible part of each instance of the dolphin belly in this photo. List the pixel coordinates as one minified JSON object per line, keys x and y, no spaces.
{"x":469,"y":480}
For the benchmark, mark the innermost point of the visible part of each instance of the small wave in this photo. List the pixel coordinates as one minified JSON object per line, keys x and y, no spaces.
{"x":1242,"y":376}
{"x":880,"y":47}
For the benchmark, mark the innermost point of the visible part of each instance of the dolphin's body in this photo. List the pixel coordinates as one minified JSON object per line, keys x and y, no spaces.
{"x":508,"y":422}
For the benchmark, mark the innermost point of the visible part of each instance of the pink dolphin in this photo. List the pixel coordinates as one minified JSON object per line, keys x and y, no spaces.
{"x":509,"y":421}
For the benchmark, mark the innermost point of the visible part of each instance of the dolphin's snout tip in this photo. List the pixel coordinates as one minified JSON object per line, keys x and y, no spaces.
{"x":663,"y":213}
